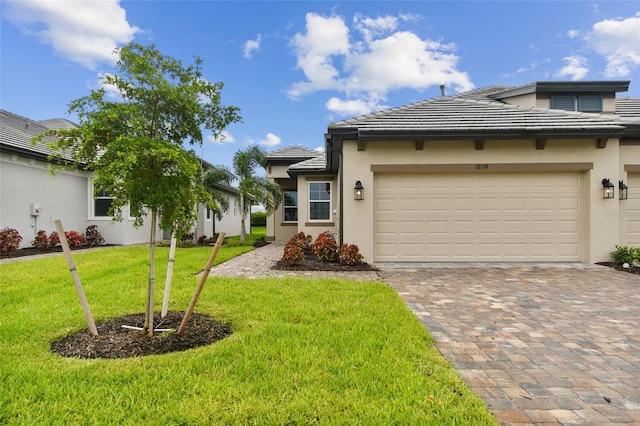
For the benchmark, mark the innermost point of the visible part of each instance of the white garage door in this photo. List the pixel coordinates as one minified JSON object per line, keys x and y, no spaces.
{"x":478,"y":217}
{"x":632,"y":205}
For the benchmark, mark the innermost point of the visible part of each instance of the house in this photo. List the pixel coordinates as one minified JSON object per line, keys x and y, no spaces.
{"x":545,"y":172}
{"x":31,"y":199}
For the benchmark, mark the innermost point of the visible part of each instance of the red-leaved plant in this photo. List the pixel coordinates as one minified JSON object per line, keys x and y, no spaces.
{"x":325,"y":247}
{"x":350,"y":254}
{"x":292,"y":254}
{"x":10,"y":240}
{"x":42,"y":241}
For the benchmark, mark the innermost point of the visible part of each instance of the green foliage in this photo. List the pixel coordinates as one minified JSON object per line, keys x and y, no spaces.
{"x":325,"y":247}
{"x":10,"y":240}
{"x":134,"y":144}
{"x":350,"y":254}
{"x":259,"y":219}
{"x":624,"y":254}
{"x":254,"y":189}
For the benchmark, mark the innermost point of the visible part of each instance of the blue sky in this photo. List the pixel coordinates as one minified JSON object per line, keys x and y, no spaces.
{"x":292,"y":67}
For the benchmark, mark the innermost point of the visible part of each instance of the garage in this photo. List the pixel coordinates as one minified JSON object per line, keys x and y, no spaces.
{"x":478,"y":216}
{"x":632,"y":205}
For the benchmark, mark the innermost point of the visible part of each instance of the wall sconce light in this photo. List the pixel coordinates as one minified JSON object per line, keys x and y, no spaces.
{"x":623,"y":190}
{"x":358,"y":191}
{"x":607,"y":189}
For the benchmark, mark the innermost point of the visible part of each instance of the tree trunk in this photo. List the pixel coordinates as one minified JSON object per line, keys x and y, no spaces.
{"x":243,"y":216}
{"x":148,"y":314}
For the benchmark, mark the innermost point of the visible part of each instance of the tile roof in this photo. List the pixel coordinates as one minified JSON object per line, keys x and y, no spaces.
{"x":16,"y":133}
{"x":472,"y":115}
{"x":317,"y":163}
{"x":628,"y":108}
{"x":292,"y":152}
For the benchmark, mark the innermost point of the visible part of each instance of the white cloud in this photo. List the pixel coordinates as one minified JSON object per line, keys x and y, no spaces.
{"x":353,"y":107}
{"x":86,"y":32}
{"x":573,"y":33}
{"x":366,"y":65}
{"x":270,"y":140}
{"x":575,"y":68}
{"x":618,"y":40}
{"x":250,"y":46}
{"x":223,"y":137}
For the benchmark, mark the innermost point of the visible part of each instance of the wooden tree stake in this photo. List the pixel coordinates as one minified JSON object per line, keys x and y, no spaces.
{"x":167,"y":284}
{"x":76,"y":278}
{"x":203,"y":279}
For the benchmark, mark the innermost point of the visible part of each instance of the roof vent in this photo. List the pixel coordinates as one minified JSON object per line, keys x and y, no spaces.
{"x":442,"y":90}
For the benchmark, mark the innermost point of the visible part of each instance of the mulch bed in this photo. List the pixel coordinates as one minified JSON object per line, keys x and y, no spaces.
{"x":30,"y":251}
{"x":618,"y":266}
{"x":114,"y":341}
{"x":312,"y":263}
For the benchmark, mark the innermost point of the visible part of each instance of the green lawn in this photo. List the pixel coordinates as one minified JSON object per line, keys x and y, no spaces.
{"x":302,"y":351}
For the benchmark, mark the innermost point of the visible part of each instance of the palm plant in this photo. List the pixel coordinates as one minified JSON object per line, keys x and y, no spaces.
{"x":253,"y":188}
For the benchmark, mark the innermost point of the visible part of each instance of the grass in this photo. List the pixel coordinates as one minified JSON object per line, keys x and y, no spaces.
{"x":302,"y":351}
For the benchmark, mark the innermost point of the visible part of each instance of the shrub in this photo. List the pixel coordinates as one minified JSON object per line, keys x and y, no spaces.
{"x":350,"y":254}
{"x":94,"y":238}
{"x":10,"y":240}
{"x":54,"y":239}
{"x":293,"y":254}
{"x":259,"y":219}
{"x":325,"y":247}
{"x":624,"y":254}
{"x":301,"y":240}
{"x":203,"y":240}
{"x":75,"y":239}
{"x":260,"y":242}
{"x":42,"y":241}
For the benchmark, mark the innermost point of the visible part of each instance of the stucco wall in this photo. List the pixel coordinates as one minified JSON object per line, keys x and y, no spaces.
{"x":601,"y":229}
{"x":65,"y":196}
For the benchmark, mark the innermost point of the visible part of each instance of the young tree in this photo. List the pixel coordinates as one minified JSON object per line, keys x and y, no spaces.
{"x":253,"y":187}
{"x":136,"y":143}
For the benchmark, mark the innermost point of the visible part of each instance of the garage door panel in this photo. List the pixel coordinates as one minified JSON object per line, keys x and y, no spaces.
{"x":467,"y":217}
{"x":632,"y":205}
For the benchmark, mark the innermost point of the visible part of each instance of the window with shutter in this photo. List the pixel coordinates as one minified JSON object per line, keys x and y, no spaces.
{"x":590,"y":103}
{"x":564,"y":102}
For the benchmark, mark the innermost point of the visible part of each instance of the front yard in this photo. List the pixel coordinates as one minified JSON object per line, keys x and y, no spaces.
{"x":301,"y":351}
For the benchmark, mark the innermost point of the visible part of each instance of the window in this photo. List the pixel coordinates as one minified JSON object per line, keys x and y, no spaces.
{"x":584,"y":103}
{"x":208,"y":214}
{"x":590,"y":103}
{"x":566,"y":103}
{"x":101,"y":204}
{"x":290,"y":209}
{"x":319,"y":201}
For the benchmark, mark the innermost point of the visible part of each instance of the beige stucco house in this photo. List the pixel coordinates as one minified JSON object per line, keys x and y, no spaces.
{"x":496,"y":174}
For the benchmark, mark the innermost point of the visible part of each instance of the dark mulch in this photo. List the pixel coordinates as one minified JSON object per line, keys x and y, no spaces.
{"x":114,"y":341}
{"x":30,"y":251}
{"x":312,"y":263}
{"x":618,"y":266}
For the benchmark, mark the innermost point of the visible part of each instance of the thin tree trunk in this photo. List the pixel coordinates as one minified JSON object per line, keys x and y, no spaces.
{"x":148,"y":318}
{"x":243,"y":232}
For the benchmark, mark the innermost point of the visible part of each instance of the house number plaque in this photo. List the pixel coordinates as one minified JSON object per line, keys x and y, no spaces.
{"x":482,"y":167}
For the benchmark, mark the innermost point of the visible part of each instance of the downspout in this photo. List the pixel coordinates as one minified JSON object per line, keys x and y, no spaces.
{"x":341,"y":196}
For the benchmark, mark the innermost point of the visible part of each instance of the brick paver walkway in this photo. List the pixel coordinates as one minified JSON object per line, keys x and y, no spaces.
{"x":541,"y":344}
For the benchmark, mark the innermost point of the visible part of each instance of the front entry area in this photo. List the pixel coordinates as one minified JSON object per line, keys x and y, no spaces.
{"x":431,"y":217}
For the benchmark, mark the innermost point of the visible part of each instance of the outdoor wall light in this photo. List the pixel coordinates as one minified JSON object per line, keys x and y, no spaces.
{"x":358,"y":191}
{"x":623,"y":190}
{"x":607,"y":189}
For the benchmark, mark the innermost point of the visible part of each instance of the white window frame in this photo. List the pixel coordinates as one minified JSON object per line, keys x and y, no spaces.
{"x":92,"y":200}
{"x":285,"y":207}
{"x":329,"y":202}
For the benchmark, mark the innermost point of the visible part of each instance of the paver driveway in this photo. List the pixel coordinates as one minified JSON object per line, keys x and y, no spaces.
{"x":539,"y":343}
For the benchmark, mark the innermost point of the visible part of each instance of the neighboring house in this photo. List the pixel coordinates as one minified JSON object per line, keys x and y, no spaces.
{"x":495,"y":174}
{"x":31,"y":199}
